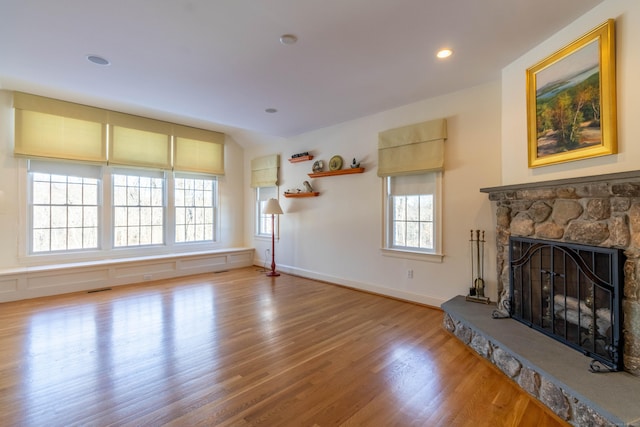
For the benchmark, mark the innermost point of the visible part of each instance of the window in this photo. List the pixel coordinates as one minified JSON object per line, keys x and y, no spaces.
{"x":194,"y":208}
{"x":64,"y":202}
{"x":263,"y":222}
{"x":138,"y":209}
{"x":412,"y":221}
{"x":412,"y":213}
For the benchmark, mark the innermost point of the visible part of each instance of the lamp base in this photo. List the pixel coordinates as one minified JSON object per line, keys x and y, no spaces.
{"x":273,"y":274}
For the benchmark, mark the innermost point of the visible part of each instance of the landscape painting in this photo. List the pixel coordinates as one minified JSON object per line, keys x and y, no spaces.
{"x":571,"y":99}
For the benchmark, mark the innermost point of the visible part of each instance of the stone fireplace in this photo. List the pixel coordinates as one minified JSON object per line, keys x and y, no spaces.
{"x":599,"y":211}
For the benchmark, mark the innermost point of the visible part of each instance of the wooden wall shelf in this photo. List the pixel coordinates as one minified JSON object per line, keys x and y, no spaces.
{"x":300,"y":159}
{"x":305,"y":194}
{"x":338,"y":172}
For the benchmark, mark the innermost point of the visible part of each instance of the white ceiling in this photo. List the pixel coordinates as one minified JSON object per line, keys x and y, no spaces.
{"x":219,"y":62}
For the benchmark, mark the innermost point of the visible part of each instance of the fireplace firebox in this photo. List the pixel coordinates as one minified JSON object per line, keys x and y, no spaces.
{"x":571,"y":293}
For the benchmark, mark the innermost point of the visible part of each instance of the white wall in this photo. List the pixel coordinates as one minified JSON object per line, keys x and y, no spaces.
{"x":9,"y":224}
{"x":514,"y":120}
{"x":337,"y":236}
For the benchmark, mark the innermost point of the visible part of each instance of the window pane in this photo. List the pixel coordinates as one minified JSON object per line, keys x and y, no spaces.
{"x":399,"y":233}
{"x":180,"y":216}
{"x":179,"y":197}
{"x":119,"y":196}
{"x":41,"y":240}
{"x":41,"y":217}
{"x":90,"y":217}
{"x":74,"y":194}
{"x":413,"y":208}
{"x":41,"y":193}
{"x":90,"y":194}
{"x":410,"y":211}
{"x":58,"y":216}
{"x":138,"y":211}
{"x":58,"y":193}
{"x":90,"y":237}
{"x":426,"y":235}
{"x":133,"y":196}
{"x":157,"y":235}
{"x":157,"y":216}
{"x":194,"y":209}
{"x":145,"y":196}
{"x":74,"y":238}
{"x":399,"y":208}
{"x":133,"y":216}
{"x":75,"y":217}
{"x":61,"y":211}
{"x":413,"y":235}
{"x":120,"y":236}
{"x":426,"y":208}
{"x":58,"y":239}
{"x":180,"y":233}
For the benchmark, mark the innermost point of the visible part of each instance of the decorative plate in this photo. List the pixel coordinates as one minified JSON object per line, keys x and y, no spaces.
{"x":335,"y":163}
{"x":318,"y":165}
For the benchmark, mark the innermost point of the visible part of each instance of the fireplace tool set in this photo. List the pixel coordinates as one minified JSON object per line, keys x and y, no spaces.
{"x":476,"y":292}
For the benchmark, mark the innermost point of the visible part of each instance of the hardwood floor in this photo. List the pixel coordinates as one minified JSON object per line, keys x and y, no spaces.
{"x":241,"y":349}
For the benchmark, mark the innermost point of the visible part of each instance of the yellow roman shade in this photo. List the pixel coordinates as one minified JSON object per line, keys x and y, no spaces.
{"x":412,"y":149}
{"x":138,"y":141}
{"x":198,"y":150}
{"x":264,"y":171}
{"x":51,"y":128}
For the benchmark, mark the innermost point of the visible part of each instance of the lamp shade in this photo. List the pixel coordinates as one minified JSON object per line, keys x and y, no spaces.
{"x":272,"y":208}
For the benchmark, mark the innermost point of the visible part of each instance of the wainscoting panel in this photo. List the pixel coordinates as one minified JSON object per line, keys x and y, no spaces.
{"x":8,"y":285}
{"x":39,"y":281}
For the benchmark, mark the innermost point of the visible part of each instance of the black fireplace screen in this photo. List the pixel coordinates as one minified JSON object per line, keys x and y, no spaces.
{"x":571,"y":293}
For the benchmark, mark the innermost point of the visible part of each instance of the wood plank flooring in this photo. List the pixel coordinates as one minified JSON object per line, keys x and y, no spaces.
{"x":240,"y":349}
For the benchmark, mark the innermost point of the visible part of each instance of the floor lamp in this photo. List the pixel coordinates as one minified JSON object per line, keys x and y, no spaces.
{"x":273,"y":208}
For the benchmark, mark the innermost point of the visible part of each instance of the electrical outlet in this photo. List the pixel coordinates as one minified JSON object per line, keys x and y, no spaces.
{"x":268,"y":252}
{"x":410,"y":274}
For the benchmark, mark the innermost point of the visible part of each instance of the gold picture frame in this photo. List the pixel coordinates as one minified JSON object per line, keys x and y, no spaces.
{"x":571,"y":101}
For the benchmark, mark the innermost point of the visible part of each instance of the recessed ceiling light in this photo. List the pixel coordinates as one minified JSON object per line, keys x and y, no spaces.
{"x":444,"y":53}
{"x":288,"y":39}
{"x":98,"y":60}
{"x":270,"y":110}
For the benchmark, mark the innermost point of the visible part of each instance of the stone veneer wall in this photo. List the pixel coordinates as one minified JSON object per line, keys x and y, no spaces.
{"x":601,"y":211}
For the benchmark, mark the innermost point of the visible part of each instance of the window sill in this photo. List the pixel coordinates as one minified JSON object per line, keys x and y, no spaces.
{"x":417,"y":256}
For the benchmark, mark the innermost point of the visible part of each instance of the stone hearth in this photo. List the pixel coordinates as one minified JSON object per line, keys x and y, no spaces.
{"x":548,"y":370}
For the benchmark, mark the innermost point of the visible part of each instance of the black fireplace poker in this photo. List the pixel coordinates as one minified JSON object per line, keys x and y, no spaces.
{"x":476,"y":291}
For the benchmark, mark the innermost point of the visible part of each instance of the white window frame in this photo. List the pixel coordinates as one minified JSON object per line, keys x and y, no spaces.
{"x":68,"y":170}
{"x":388,"y":249}
{"x":262,"y":195}
{"x":138,"y":173}
{"x":106,"y":218}
{"x":214,"y":206}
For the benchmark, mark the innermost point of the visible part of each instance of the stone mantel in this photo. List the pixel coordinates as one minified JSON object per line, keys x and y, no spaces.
{"x":619,"y":177}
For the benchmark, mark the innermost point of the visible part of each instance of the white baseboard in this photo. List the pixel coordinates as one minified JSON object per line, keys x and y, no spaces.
{"x":375,"y":289}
